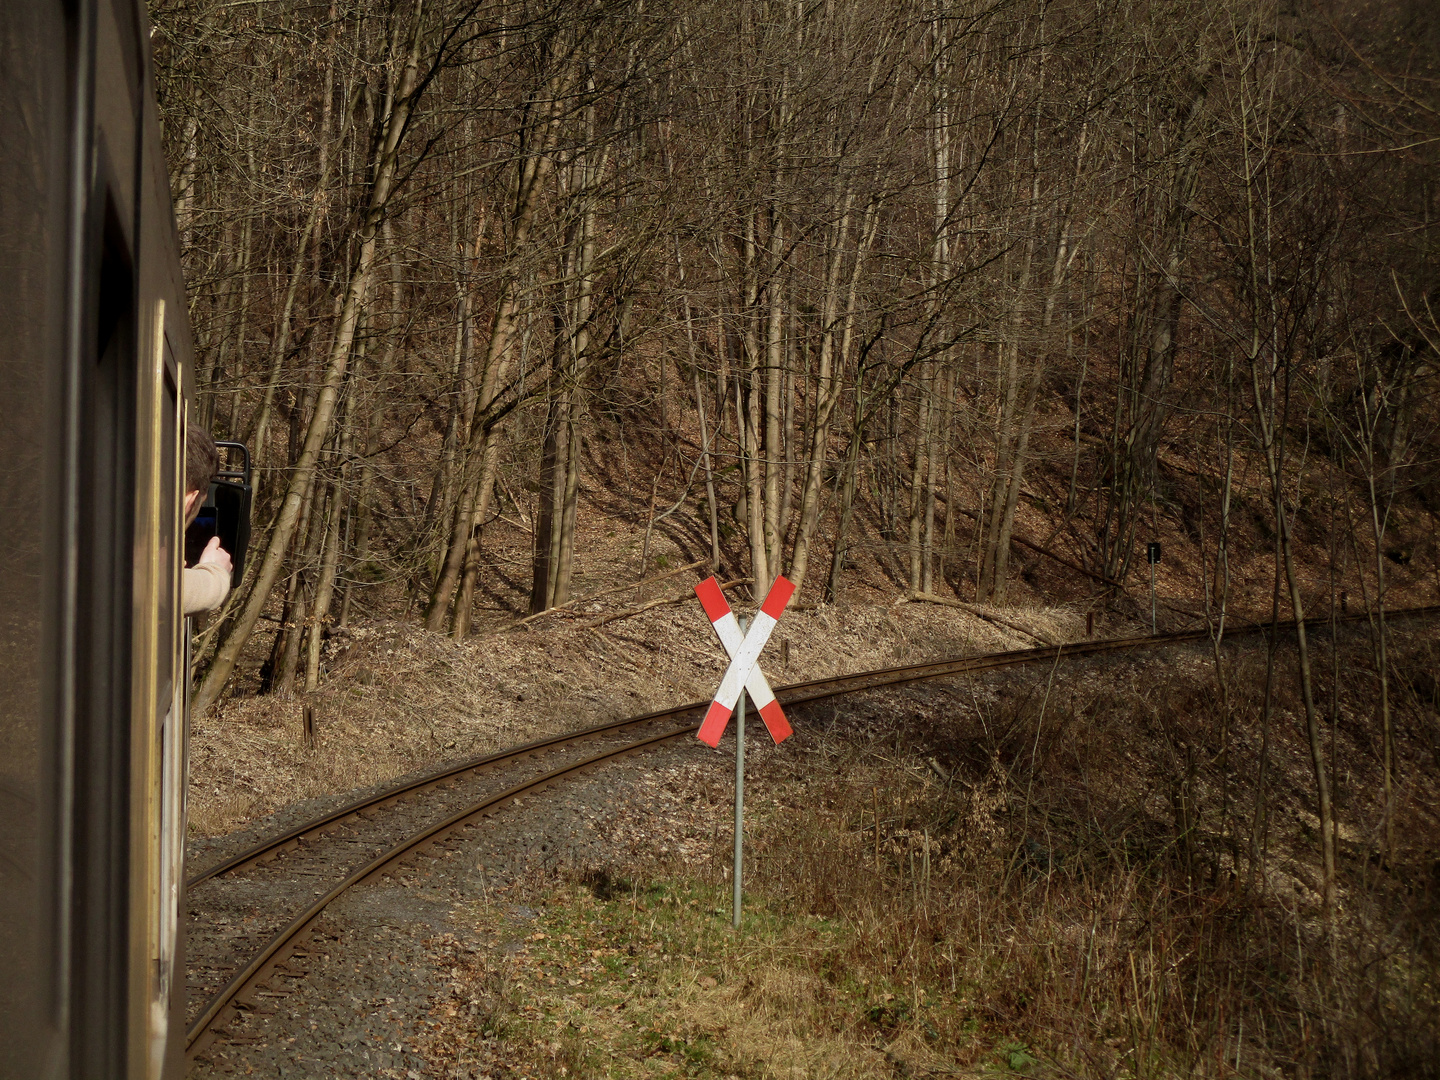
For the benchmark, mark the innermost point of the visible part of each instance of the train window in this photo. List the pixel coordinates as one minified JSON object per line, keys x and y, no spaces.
{"x":166,"y":528}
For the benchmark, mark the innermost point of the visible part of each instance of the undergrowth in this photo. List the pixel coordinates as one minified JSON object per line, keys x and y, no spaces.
{"x":1056,"y":875}
{"x":1075,"y":864}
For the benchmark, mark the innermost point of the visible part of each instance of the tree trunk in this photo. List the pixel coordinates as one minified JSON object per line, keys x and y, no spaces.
{"x":835,"y":314}
{"x":324,"y":591}
{"x":1271,"y":430}
{"x":398,"y":108}
{"x":774,"y":407}
{"x":533,"y":167}
{"x":704,"y":427}
{"x":920,"y":491}
{"x":848,"y":484}
{"x":465,"y":604}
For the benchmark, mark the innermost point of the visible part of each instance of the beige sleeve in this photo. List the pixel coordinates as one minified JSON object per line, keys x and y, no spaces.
{"x":203,"y":588}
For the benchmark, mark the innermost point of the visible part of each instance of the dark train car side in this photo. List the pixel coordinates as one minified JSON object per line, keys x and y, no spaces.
{"x":94,"y":381}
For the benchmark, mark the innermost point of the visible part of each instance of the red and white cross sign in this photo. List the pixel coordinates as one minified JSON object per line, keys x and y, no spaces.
{"x":744,"y":650}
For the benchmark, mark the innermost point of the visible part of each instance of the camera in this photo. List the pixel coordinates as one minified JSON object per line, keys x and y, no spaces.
{"x":225,"y":512}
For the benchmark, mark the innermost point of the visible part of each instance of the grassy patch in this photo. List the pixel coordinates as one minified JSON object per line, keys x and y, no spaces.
{"x":653,"y":981}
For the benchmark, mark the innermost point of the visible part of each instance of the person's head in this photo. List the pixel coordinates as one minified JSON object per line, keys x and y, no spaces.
{"x":202,"y":462}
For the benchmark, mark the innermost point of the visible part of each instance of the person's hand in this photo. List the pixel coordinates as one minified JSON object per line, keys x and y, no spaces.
{"x":216,"y":555}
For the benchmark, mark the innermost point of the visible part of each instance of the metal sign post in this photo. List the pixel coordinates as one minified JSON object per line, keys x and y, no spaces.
{"x":1152,"y":555}
{"x":739,"y":796}
{"x":743,"y":640}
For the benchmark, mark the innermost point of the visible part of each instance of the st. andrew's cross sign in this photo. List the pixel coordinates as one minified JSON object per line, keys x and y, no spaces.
{"x":743,"y":647}
{"x":744,"y":650}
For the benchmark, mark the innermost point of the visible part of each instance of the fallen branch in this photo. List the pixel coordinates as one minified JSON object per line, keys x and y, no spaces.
{"x":977,"y":611}
{"x":1066,"y":562}
{"x":603,"y":592}
{"x":1042,"y":550}
{"x":680,"y":599}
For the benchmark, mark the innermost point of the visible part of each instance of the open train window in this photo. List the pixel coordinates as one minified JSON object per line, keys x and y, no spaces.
{"x":168,"y":502}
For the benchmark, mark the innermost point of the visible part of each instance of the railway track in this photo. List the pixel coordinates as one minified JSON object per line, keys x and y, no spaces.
{"x":310,"y":866}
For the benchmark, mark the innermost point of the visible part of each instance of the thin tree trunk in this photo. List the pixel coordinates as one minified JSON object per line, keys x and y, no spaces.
{"x":565,"y":558}
{"x":1378,"y":637}
{"x":1271,"y":431}
{"x":397,"y":112}
{"x":533,"y":169}
{"x":833,"y":362}
{"x":947,"y":419}
{"x":288,"y":669}
{"x":545,"y":512}
{"x":749,"y":411}
{"x":324,"y":591}
{"x":787,"y":434}
{"x":1005,"y":523}
{"x":578,"y":358}
{"x":1260,"y":822}
{"x":919,"y":473}
{"x":255,"y":432}
{"x":1217,"y":600}
{"x":774,"y":408}
{"x":465,"y":604}
{"x":840,"y":553}
{"x":704,"y":427}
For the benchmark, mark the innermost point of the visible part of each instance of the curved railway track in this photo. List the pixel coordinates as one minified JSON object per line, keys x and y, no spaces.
{"x":404,"y":834}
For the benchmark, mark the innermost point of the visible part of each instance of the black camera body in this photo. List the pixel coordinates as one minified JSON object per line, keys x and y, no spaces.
{"x":225,"y":513}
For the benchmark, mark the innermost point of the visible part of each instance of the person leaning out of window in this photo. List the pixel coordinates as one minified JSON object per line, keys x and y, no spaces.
{"x":204,"y":586}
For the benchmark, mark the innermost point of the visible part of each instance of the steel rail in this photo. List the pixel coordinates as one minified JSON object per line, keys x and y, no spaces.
{"x":394,"y":794}
{"x":791,"y":694}
{"x":284,"y":942}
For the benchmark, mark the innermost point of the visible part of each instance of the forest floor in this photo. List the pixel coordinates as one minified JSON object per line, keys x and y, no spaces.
{"x":396,"y":697}
{"x":990,"y":874}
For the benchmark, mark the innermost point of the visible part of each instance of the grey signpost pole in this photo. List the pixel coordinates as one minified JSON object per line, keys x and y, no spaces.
{"x":739,"y":790}
{"x":1152,"y":599}
{"x":1152,"y":555}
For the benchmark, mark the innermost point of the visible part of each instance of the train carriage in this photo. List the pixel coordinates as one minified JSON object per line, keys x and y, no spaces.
{"x":94,"y":390}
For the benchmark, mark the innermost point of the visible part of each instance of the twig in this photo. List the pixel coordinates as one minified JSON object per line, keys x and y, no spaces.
{"x":1066,"y":562}
{"x":976,"y":610}
{"x":605,"y":592}
{"x":680,"y":599}
{"x":525,"y":526}
{"x":1045,"y":550}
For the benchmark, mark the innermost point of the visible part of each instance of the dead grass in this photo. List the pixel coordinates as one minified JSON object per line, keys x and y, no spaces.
{"x":1045,"y":874}
{"x":1081,"y":881}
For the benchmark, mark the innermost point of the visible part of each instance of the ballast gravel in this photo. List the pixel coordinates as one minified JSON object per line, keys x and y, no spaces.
{"x":370,"y":975}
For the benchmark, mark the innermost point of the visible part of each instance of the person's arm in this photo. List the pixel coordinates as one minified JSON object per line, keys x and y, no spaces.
{"x":204,"y":586}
